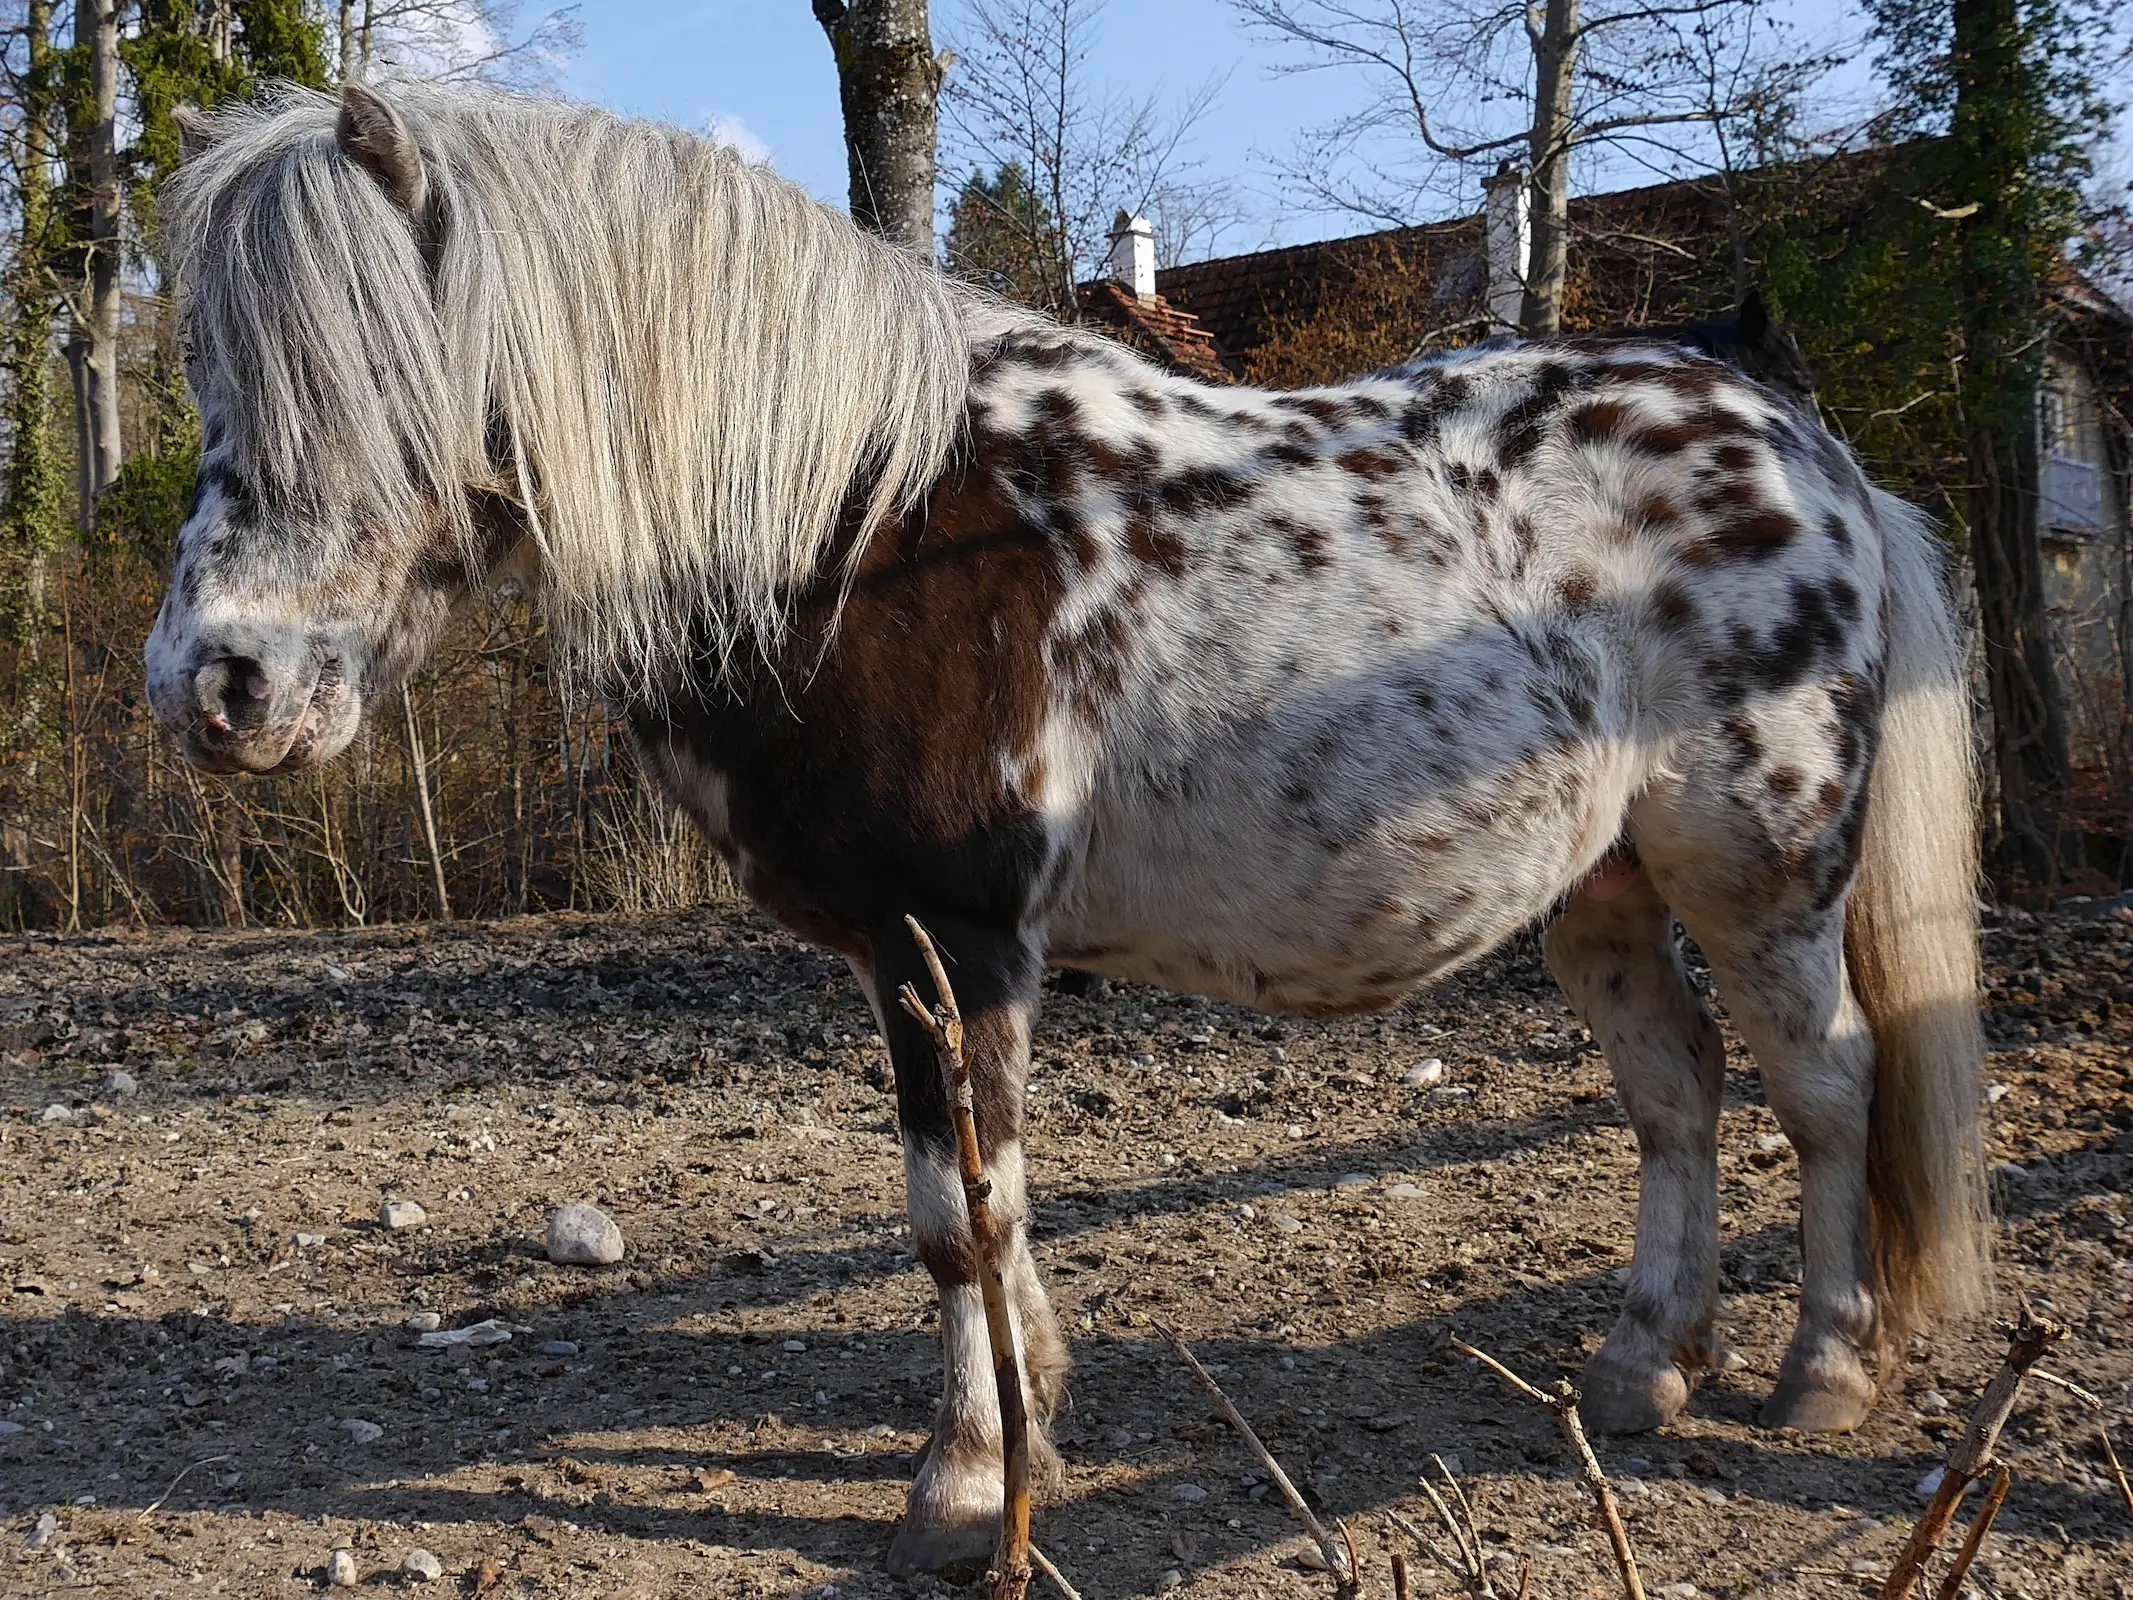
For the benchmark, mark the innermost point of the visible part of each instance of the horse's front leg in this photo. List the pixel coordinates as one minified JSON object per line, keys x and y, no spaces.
{"x":952,"y":1522}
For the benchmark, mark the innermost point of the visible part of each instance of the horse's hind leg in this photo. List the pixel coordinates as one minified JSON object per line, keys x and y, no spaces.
{"x":951,"y":1522}
{"x":1779,"y":961}
{"x":1616,"y":960}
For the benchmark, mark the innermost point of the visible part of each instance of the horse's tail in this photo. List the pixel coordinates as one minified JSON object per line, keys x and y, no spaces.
{"x":1911,"y":941}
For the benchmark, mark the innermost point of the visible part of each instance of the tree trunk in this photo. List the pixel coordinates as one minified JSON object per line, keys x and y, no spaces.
{"x":2002,"y":310}
{"x":345,"y":61}
{"x":1555,"y":55}
{"x":31,"y":507}
{"x":93,"y":350}
{"x":888,"y":81}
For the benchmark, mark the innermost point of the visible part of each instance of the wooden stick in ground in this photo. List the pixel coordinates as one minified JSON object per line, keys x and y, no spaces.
{"x":1952,"y":1585}
{"x":1345,"y":1577}
{"x":1971,"y":1458}
{"x":1562,"y":1401}
{"x":1011,"y":1561}
{"x":2118,"y":1473}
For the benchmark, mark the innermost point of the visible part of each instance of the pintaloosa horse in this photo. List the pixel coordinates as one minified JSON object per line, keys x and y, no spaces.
{"x":922,"y":604}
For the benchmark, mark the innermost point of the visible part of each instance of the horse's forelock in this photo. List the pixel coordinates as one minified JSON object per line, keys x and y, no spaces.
{"x":690,"y":369}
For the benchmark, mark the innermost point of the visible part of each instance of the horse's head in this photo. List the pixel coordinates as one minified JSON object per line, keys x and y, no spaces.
{"x":335,"y":517}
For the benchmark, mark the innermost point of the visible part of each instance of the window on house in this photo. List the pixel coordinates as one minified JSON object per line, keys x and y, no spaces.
{"x":2071,"y":457}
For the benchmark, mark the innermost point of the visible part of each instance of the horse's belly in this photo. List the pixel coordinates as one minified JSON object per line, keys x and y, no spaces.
{"x":1337,"y":885}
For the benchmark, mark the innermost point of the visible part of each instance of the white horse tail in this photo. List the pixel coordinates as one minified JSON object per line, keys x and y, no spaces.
{"x":1911,"y":941}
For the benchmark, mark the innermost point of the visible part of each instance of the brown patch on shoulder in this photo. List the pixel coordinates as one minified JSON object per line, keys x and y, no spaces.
{"x":1600,"y":420}
{"x":1758,"y":536}
{"x":1577,"y":589}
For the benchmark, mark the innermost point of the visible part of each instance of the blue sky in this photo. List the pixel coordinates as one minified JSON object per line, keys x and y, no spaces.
{"x":764,"y":69}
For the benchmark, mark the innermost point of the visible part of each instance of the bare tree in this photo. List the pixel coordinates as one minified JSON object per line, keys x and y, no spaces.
{"x":889,"y":82}
{"x":457,"y":41}
{"x":93,"y":348}
{"x":1021,"y":96}
{"x":1458,"y":88}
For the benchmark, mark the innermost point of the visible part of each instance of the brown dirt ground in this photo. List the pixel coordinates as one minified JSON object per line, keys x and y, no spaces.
{"x":201,"y":1295}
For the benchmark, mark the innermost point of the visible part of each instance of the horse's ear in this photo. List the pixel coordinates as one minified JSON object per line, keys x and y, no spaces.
{"x":1754,"y":319}
{"x":195,"y":131}
{"x":372,"y":134}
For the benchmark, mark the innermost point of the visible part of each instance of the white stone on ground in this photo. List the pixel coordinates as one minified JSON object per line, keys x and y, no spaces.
{"x":341,"y":1570}
{"x":583,"y":1236}
{"x":397,"y":1214}
{"x":122,"y":1083}
{"x":421,"y":1566}
{"x":1425,"y":1074}
{"x":424,"y":1322}
{"x":363,"y":1432}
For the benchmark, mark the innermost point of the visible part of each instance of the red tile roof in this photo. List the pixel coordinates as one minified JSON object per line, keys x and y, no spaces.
{"x":1154,"y":327}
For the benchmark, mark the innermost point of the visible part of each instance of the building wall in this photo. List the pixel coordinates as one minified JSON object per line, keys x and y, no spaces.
{"x":2082,"y":520}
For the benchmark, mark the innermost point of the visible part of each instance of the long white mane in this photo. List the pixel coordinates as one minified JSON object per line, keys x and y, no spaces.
{"x":680,"y":364}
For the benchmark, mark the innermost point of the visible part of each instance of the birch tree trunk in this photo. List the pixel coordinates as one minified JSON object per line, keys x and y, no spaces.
{"x":420,"y":763}
{"x":1555,"y":51}
{"x":92,"y":351}
{"x":888,"y":81}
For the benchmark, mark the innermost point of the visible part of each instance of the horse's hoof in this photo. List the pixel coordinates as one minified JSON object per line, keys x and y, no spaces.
{"x":1806,"y":1409}
{"x":959,"y":1552}
{"x":1612,"y":1400}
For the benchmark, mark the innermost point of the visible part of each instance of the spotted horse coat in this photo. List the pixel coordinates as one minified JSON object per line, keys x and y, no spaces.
{"x":1300,"y":701}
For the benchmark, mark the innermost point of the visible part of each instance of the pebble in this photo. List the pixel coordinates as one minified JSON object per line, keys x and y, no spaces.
{"x":1191,"y":1493}
{"x":421,"y":1566}
{"x":424,"y":1322}
{"x":1425,"y":1074}
{"x":45,"y":1532}
{"x":122,"y":1084}
{"x":397,"y":1214}
{"x":1772,"y":1141}
{"x":1295,"y":1130}
{"x":1353,"y":1180}
{"x":362,"y":1432}
{"x":583,"y":1236}
{"x":559,"y":1347}
{"x":55,"y":1112}
{"x":1448,"y":1093}
{"x":7,"y":1427}
{"x":1170,"y":1580}
{"x":1402,"y":1191}
{"x":796,"y":1347}
{"x":1284,"y":1223}
{"x":1310,"y":1559}
{"x":1932,"y":1402}
{"x":1677,"y":1591}
{"x":341,"y":1570}
{"x":1995,"y":1093}
{"x":307,"y":1241}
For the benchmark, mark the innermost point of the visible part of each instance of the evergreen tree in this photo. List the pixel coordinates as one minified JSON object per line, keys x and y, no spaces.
{"x":1001,"y":235}
{"x":2009,"y":86}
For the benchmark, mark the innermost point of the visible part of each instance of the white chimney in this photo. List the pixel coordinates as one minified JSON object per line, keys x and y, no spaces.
{"x":1132,"y":260}
{"x":1507,"y":221}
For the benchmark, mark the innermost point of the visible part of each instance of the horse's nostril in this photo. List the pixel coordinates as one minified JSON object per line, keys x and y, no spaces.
{"x":235,"y":692}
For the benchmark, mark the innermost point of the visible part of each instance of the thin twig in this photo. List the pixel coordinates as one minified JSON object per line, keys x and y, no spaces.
{"x":154,"y":1505}
{"x":1972,"y":1457}
{"x":1345,"y":1578}
{"x":1043,"y":1564}
{"x":1011,"y":1560}
{"x":2093,"y":1402}
{"x":1952,"y":1585}
{"x":1562,"y":1400}
{"x":2118,"y":1473}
